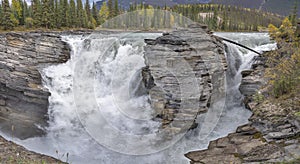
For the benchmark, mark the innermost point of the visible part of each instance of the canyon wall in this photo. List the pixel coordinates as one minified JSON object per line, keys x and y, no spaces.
{"x":271,"y":136}
{"x":23,"y":100}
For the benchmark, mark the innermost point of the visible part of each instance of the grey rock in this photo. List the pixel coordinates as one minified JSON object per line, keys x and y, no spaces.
{"x":23,"y":100}
{"x":184,"y":71}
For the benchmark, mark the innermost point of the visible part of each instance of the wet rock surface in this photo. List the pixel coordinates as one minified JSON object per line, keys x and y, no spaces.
{"x":184,"y":72}
{"x":23,"y":100}
{"x":271,"y":136}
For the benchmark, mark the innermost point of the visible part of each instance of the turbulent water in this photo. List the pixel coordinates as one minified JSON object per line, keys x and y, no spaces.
{"x":107,"y":68}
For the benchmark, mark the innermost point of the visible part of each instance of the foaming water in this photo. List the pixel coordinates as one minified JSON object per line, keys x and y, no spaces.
{"x":116,"y":65}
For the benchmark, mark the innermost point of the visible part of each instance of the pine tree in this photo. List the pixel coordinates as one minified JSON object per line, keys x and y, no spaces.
{"x":57,"y":17}
{"x":215,"y":20}
{"x":81,"y":15}
{"x":64,"y":12}
{"x":72,"y":13}
{"x":88,"y":10}
{"x":7,"y":16}
{"x":1,"y":14}
{"x":110,"y":8}
{"x":46,"y":22}
{"x":22,"y":16}
{"x":36,"y":12}
{"x":116,"y":9}
{"x":95,"y":13}
{"x":16,"y":9}
{"x":90,"y":21}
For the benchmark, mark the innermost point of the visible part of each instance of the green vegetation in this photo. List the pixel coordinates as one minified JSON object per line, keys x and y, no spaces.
{"x":53,"y":14}
{"x":62,"y":14}
{"x":284,"y":63}
{"x":228,"y":18}
{"x":217,"y":17}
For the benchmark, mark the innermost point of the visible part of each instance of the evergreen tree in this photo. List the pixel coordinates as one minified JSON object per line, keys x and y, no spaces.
{"x":110,"y":8}
{"x":88,"y":10}
{"x":36,"y":13}
{"x":22,"y":16}
{"x":46,"y":14}
{"x":57,"y":12}
{"x":81,"y":15}
{"x":95,"y":13}
{"x":7,"y":16}
{"x":72,"y":13}
{"x":16,"y":9}
{"x":1,"y":14}
{"x":215,"y":20}
{"x":64,"y":12}
{"x":116,"y":9}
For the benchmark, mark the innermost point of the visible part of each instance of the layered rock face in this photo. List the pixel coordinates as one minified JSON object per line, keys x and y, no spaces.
{"x":272,"y":135}
{"x":184,"y":73}
{"x":23,"y":100}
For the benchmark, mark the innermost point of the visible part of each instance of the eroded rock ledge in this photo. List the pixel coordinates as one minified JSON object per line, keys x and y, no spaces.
{"x":184,"y":72}
{"x":23,"y":100}
{"x":271,"y":136}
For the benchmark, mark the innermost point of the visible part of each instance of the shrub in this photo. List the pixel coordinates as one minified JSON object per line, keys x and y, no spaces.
{"x":28,"y":22}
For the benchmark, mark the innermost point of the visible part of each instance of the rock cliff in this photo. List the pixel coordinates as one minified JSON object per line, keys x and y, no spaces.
{"x":23,"y":100}
{"x":272,"y":134}
{"x":184,"y":72}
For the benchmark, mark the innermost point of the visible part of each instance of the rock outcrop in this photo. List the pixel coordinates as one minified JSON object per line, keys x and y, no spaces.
{"x":184,"y":71}
{"x":23,"y":100}
{"x":272,"y":135}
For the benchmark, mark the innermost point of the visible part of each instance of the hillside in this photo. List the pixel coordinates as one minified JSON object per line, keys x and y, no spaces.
{"x":126,"y":3}
{"x":282,"y":7}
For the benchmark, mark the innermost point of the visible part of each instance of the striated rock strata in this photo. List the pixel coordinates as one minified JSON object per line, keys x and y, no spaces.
{"x":184,"y":72}
{"x":23,"y":100}
{"x":271,"y":136}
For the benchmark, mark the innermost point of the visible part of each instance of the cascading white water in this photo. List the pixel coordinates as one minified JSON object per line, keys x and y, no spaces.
{"x":115,"y":78}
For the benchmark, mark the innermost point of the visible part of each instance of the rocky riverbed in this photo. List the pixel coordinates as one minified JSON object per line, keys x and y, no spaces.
{"x":272,"y":135}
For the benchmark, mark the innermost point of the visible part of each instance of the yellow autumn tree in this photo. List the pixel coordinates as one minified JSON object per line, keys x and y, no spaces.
{"x":104,"y":13}
{"x":273,"y":30}
{"x":284,"y":64}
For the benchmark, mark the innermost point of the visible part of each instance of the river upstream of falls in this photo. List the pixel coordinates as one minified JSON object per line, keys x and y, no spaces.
{"x":114,"y":79}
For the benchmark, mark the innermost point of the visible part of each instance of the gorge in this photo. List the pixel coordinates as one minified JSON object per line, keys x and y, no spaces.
{"x":172,"y":93}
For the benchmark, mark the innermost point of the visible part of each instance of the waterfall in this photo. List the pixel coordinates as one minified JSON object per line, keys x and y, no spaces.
{"x":109,"y":66}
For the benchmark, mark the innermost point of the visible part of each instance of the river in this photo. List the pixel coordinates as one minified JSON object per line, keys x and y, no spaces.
{"x":114,"y":78}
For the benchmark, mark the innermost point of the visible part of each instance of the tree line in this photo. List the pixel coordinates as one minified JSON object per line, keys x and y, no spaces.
{"x":55,"y":14}
{"x":60,"y":14}
{"x":228,"y":18}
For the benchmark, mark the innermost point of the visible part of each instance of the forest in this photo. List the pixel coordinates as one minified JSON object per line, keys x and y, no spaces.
{"x":64,"y":14}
